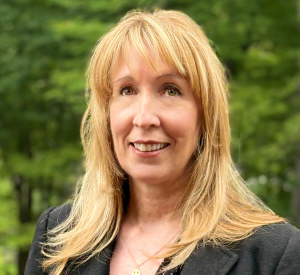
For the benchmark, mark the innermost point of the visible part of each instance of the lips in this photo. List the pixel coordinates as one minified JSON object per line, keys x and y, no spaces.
{"x":149,"y":147}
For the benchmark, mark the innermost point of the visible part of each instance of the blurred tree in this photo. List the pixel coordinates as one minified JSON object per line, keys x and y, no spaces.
{"x":39,"y":139}
{"x":44,"y":50}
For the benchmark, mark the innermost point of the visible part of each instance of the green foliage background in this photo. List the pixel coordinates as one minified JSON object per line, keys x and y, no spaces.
{"x":45,"y":46}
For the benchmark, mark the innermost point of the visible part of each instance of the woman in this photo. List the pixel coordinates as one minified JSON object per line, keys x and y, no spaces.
{"x":160,"y":194}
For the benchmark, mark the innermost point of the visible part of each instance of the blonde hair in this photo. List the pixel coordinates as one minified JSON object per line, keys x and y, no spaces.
{"x":217,"y":207}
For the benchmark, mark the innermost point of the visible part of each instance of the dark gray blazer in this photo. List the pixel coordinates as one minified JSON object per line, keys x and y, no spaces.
{"x":272,"y":249}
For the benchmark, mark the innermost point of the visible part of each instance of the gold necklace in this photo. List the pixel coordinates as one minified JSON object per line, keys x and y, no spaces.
{"x":137,"y":271}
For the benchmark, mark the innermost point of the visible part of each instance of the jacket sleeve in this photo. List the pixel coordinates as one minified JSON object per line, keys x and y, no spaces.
{"x":289,"y":263}
{"x":35,"y":257}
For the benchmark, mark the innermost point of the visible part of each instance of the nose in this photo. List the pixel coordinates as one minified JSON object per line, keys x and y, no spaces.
{"x":146,"y":114}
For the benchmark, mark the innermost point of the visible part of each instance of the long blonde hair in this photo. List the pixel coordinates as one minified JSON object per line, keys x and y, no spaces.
{"x":217,"y":208}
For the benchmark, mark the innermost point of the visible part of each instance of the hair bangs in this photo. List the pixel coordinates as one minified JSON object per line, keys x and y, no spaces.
{"x":156,"y":40}
{"x":154,"y":44}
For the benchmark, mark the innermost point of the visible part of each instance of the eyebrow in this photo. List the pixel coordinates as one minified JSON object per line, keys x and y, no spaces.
{"x":171,"y":75}
{"x":123,"y":78}
{"x":159,"y":77}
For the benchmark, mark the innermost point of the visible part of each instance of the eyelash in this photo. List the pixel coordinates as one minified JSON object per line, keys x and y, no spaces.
{"x":166,"y":89}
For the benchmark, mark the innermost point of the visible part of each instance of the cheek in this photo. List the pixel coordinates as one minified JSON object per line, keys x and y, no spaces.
{"x":184,"y":125}
{"x":120,"y":126}
{"x":115,"y":126}
{"x":117,"y":123}
{"x":120,"y":118}
{"x":116,"y":129}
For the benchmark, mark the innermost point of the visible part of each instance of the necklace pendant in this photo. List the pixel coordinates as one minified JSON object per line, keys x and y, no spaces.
{"x":136,"y":272}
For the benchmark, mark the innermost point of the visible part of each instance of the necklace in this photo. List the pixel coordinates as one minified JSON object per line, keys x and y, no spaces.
{"x":137,"y":271}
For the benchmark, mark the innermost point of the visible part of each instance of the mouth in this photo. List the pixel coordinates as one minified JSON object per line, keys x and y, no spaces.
{"x":149,"y":147}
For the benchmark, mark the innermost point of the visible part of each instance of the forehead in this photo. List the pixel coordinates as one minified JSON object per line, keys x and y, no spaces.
{"x":132,"y":62}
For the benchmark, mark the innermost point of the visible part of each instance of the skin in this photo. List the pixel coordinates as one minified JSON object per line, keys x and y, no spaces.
{"x":151,"y":107}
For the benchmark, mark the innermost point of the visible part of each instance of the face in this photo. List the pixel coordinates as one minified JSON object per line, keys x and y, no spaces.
{"x":154,"y":121}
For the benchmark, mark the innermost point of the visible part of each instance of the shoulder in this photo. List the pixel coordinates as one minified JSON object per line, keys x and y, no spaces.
{"x":275,"y":247}
{"x":275,"y":236}
{"x":53,"y":216}
{"x":271,"y":250}
{"x":48,"y":220}
{"x":56,"y":215}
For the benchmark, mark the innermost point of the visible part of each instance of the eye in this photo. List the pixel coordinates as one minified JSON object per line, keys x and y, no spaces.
{"x":172,"y":91}
{"x":127,"y":91}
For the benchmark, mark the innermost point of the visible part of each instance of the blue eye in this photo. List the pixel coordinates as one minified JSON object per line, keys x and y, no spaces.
{"x":127,"y":91}
{"x":171,"y":91}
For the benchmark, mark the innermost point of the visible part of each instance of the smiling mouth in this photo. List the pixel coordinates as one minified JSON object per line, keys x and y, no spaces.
{"x":149,"y":147}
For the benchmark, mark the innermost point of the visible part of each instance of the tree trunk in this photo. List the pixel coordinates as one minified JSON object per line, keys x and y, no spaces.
{"x":22,"y":258}
{"x":295,"y":203}
{"x":296,"y":197}
{"x":23,"y":192}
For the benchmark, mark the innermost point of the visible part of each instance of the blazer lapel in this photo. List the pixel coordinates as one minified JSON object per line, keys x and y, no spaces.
{"x":207,"y":260}
{"x":98,"y":264}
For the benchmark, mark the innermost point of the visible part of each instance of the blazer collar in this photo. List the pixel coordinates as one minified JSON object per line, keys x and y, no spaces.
{"x":98,"y":264}
{"x":209,"y":260}
{"x":205,"y":260}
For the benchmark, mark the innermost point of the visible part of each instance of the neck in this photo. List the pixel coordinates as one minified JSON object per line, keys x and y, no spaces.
{"x":153,"y":203}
